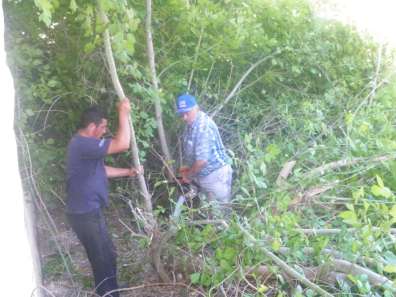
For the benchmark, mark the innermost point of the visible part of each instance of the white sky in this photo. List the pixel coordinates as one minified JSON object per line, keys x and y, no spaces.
{"x":376,"y":17}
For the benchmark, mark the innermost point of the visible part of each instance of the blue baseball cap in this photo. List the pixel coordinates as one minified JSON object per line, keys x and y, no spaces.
{"x":185,"y":103}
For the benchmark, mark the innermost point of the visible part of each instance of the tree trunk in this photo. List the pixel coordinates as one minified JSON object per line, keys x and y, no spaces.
{"x":154,"y":80}
{"x":134,"y":147}
{"x":150,"y":224}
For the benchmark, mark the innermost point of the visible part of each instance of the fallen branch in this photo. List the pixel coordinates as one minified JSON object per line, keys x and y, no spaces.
{"x":310,"y":193}
{"x":344,"y":163}
{"x":320,"y":273}
{"x":346,"y":267}
{"x":351,"y":268}
{"x":153,"y":286}
{"x":338,"y":231}
{"x":310,"y":251}
{"x":336,"y":254}
{"x":133,"y":233}
{"x":208,"y":222}
{"x":286,"y":268}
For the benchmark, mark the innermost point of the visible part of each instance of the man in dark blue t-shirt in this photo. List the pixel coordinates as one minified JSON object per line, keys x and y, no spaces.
{"x":87,"y":189}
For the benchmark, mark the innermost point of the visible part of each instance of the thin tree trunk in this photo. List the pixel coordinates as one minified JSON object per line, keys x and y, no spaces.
{"x":154,"y":80}
{"x":134,"y":147}
{"x":242,"y":79}
{"x":195,"y":59}
{"x":150,"y":223}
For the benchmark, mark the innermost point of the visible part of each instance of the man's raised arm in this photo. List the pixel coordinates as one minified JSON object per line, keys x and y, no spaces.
{"x":121,"y":140}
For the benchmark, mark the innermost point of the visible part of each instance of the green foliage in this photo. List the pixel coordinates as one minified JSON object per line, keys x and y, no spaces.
{"x":54,"y":267}
{"x":314,"y":101}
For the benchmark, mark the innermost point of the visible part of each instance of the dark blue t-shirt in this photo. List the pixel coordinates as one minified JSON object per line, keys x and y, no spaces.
{"x":87,"y":185}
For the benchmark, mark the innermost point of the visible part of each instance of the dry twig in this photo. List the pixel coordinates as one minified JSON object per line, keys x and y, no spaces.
{"x":285,"y":172}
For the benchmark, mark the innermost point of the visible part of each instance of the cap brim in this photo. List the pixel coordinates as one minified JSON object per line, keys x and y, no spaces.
{"x":183,"y":110}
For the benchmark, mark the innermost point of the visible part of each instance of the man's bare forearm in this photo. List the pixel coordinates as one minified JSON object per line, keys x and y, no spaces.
{"x":197,"y":167}
{"x":191,"y":172}
{"x":123,"y":133}
{"x":117,"y":172}
{"x":122,"y":138}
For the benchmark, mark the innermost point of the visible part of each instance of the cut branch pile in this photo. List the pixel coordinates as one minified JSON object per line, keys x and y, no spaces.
{"x":332,"y":272}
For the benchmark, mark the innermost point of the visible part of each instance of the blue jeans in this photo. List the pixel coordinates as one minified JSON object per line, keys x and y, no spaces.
{"x":92,"y":231}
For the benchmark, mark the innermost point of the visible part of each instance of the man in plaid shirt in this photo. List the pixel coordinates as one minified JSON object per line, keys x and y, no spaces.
{"x":204,"y":156}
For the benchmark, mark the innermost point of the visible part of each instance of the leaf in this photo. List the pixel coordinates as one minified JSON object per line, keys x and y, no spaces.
{"x":205,"y":279}
{"x":52,"y":83}
{"x":224,"y":264}
{"x":356,"y":195}
{"x":349,"y":118}
{"x":229,"y":253}
{"x":29,"y":112}
{"x":390,"y":257}
{"x":195,"y":277}
{"x":46,"y":18}
{"x":349,"y":217}
{"x":160,"y":182}
{"x":392,"y":212}
{"x":260,"y":182}
{"x":262,"y":289}
{"x":390,"y":268}
{"x":276,"y":245}
{"x":89,"y":47}
{"x":106,"y":5}
{"x":73,"y":5}
{"x":350,"y":206}
{"x":245,"y":191}
{"x":379,"y":181}
{"x":366,"y":205}
{"x":272,"y":151}
{"x":381,"y":191}
{"x":46,"y":7}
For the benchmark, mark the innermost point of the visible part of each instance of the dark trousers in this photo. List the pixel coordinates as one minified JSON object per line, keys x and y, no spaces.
{"x":92,"y":231}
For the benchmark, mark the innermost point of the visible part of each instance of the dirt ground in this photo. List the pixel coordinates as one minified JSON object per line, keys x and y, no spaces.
{"x":136,"y":275}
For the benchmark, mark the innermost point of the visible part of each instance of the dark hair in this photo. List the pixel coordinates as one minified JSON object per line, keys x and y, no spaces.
{"x":91,"y":115}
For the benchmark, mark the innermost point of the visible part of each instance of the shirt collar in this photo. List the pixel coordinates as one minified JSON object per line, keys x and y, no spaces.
{"x":197,"y":119}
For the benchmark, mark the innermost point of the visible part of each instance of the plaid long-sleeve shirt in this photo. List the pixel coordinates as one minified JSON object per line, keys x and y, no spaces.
{"x":202,"y":141}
